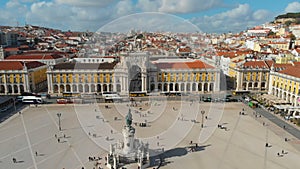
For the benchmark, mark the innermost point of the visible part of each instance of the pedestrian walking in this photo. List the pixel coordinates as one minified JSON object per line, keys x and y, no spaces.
{"x":58,"y":140}
{"x":278,"y":154}
{"x":55,"y":136}
{"x":285,"y":139}
{"x":36,"y":154}
{"x":14,"y":160}
{"x":64,"y":136}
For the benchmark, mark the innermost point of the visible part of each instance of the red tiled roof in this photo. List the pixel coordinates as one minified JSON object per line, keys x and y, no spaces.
{"x":86,"y":66}
{"x":292,"y":71}
{"x":270,"y":62}
{"x":34,"y":57}
{"x":255,"y":64}
{"x":19,"y":65}
{"x":266,"y":64}
{"x":282,"y":65}
{"x":184,"y":65}
{"x":11,"y":49}
{"x":296,"y":63}
{"x":186,"y":49}
{"x":232,"y":54}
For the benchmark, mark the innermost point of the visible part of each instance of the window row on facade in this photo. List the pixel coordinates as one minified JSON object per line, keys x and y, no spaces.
{"x":85,"y":88}
{"x":285,"y":84}
{"x":83,"y":78}
{"x":183,"y":77}
{"x":255,"y":76}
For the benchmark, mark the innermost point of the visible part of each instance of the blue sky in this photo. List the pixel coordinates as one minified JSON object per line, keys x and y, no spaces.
{"x":210,"y":16}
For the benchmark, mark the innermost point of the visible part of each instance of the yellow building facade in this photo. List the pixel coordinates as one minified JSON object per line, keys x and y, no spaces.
{"x":285,"y":84}
{"x":194,"y":76}
{"x":17,"y":77}
{"x":252,"y":76}
{"x":82,"y":78}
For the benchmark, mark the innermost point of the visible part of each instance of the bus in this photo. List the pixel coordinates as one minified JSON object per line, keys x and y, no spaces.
{"x":20,"y":97}
{"x":112,"y":97}
{"x":241,"y":92}
{"x":137,"y":94}
{"x":32,"y":100}
{"x":71,"y":95}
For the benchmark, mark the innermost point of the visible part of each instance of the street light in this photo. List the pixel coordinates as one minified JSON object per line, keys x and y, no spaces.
{"x":202,"y":112}
{"x":59,"y":115}
{"x":15,"y":105}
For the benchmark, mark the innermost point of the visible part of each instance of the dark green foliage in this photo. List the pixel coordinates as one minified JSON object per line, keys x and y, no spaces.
{"x":288,"y":15}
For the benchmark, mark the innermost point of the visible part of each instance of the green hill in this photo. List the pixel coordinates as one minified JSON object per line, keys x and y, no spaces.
{"x":288,"y":15}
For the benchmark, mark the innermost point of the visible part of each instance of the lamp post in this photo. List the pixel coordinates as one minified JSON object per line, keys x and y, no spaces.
{"x":202,"y":112}
{"x":15,"y":105}
{"x":59,"y":126}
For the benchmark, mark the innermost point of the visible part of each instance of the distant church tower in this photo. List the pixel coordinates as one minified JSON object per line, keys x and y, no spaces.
{"x":1,"y":53}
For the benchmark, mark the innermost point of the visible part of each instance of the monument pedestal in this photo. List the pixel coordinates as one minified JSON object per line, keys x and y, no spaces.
{"x":129,"y":151}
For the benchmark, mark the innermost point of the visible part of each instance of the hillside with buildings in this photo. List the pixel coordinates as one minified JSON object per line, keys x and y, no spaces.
{"x":262,"y":59}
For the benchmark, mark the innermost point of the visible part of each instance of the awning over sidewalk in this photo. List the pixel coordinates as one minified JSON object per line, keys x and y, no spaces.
{"x":271,"y":99}
{"x":283,"y":107}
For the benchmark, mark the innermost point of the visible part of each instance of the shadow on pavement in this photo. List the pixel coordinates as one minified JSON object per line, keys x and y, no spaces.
{"x":162,"y":158}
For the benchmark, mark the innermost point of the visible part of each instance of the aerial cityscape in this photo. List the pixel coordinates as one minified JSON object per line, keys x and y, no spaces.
{"x":149,"y":84}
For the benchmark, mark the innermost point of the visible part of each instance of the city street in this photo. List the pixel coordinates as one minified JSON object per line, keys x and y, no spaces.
{"x":279,"y":122}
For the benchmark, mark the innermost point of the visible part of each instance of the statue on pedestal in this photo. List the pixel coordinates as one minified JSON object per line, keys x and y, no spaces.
{"x":131,"y":149}
{"x":128,"y":118}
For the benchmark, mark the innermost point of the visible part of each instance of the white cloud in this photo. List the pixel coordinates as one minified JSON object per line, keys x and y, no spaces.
{"x":235,"y":20}
{"x":15,"y":4}
{"x":293,"y":7}
{"x":64,"y":16}
{"x":29,"y":1}
{"x":12,"y":13}
{"x":124,"y":7}
{"x":260,"y":14}
{"x":150,"y":21}
{"x":149,"y":5}
{"x":92,"y":14}
{"x":184,"y":6}
{"x":85,"y":3}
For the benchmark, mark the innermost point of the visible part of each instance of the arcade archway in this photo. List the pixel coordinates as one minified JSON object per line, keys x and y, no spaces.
{"x":135,"y":79}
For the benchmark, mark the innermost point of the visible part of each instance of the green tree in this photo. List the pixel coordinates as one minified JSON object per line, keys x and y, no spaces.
{"x":288,"y":23}
{"x":292,"y":36}
{"x":271,"y":33}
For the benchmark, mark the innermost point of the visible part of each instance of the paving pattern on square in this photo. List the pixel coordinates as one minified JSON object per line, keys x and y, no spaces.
{"x":89,"y":129}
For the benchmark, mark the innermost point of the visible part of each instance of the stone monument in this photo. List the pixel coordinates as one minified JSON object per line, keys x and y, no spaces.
{"x":130,"y":150}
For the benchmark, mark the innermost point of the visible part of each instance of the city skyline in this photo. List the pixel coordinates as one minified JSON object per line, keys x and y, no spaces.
{"x":218,"y":16}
